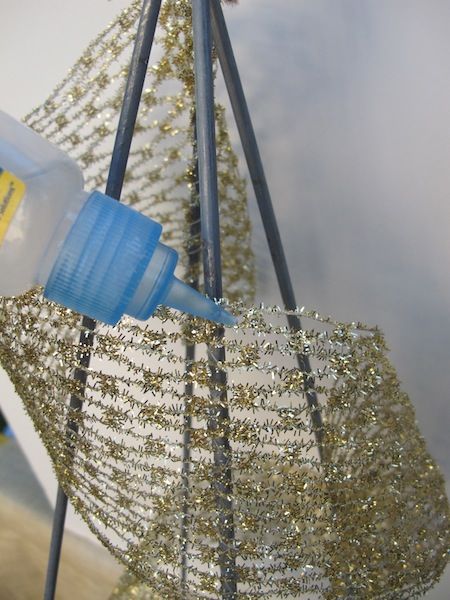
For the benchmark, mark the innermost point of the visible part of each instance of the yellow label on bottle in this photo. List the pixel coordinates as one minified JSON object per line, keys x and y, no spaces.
{"x":12,"y":190}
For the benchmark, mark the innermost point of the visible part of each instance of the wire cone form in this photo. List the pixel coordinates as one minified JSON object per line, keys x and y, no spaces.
{"x":370,"y":520}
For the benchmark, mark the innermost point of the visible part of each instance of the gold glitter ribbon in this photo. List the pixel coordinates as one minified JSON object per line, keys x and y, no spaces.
{"x":82,"y":113}
{"x":368,"y":521}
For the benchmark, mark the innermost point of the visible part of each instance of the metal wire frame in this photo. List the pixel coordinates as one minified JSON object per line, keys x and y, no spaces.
{"x":244,"y":124}
{"x":212,"y":273}
{"x":130,"y":105}
{"x":208,"y":22}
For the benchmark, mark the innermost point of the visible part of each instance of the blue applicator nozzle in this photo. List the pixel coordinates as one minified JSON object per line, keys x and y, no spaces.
{"x":182,"y":297}
{"x":111,"y":263}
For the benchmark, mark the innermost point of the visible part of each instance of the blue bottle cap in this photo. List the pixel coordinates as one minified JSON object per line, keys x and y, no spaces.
{"x":153,"y":286}
{"x":103,"y":259}
{"x":111,"y":263}
{"x":160,"y":286}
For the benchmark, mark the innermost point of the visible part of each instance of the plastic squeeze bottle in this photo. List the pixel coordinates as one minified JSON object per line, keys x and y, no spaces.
{"x":90,"y":252}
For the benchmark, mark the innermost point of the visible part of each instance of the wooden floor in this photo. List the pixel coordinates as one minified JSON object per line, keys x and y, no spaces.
{"x":86,"y":572}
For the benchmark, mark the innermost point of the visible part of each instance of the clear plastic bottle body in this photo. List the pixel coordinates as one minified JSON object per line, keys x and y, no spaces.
{"x":91,"y":253}
{"x":52,"y":199}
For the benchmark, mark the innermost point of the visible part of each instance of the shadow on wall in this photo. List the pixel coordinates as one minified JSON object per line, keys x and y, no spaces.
{"x":350,"y":103}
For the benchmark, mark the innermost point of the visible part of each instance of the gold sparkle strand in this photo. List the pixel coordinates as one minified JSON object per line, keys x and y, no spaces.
{"x":302,"y":526}
{"x":369,"y":522}
{"x":82,"y":113}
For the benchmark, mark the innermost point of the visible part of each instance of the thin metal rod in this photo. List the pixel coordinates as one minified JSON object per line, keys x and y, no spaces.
{"x":124,"y":135}
{"x":193,"y":250}
{"x":185,"y":473}
{"x":246,"y":131}
{"x":133,"y":92}
{"x":210,"y":234}
{"x":206,"y":148}
{"x":76,"y":405}
{"x":59,"y":517}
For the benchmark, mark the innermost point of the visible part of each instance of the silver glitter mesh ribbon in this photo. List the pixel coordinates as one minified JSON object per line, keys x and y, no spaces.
{"x":367,"y":520}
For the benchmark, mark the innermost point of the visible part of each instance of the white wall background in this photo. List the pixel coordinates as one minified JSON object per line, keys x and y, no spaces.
{"x":39,"y":41}
{"x":350,"y":100}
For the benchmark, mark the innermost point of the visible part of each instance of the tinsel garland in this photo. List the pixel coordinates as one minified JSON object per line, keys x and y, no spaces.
{"x":369,"y":519}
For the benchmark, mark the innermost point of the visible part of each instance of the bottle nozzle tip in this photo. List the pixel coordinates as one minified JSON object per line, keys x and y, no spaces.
{"x":182,"y":297}
{"x":226,"y":318}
